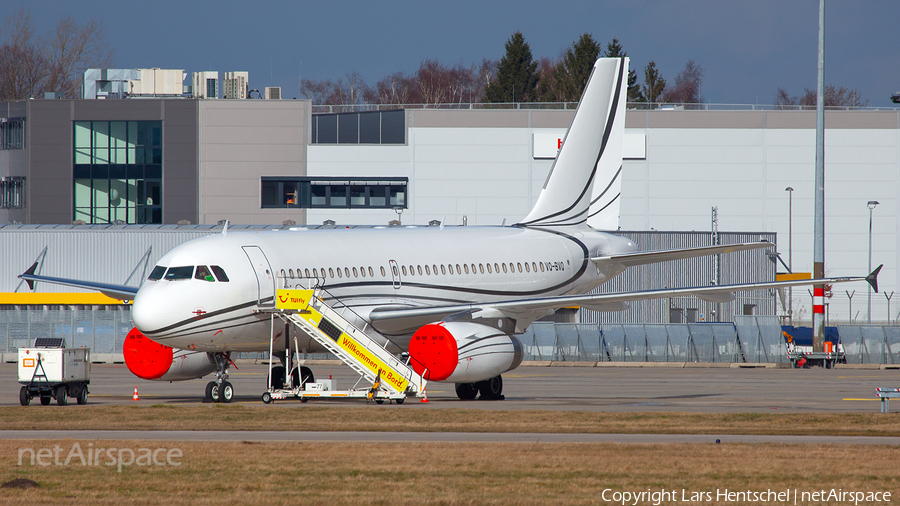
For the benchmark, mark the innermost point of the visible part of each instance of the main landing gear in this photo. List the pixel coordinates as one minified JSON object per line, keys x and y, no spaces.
{"x":220,"y":390}
{"x":490,"y":390}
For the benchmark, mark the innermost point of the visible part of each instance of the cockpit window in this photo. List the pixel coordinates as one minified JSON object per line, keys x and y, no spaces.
{"x":179,"y":273}
{"x":157,"y":273}
{"x":203,"y":274}
{"x":220,"y":274}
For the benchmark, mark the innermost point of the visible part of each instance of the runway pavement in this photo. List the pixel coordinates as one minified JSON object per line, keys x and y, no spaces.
{"x":613,"y":389}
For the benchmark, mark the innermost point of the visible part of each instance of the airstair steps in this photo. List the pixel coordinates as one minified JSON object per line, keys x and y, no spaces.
{"x":354,"y":347}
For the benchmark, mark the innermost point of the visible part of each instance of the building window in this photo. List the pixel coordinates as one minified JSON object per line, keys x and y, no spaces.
{"x":12,"y":133}
{"x":334,"y":193}
{"x":12,"y":192}
{"x":118,"y":171}
{"x":371,"y":127}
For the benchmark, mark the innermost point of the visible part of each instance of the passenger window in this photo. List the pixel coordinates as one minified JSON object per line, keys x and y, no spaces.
{"x":219,"y":272}
{"x":458,"y":270}
{"x":420,"y":270}
{"x":533,"y":267}
{"x":291,"y":272}
{"x":404,"y":270}
{"x":542,"y":266}
{"x":466,"y":267}
{"x":175,"y":273}
{"x":372,"y":273}
{"x":443,"y":271}
{"x":315,"y":273}
{"x":355,"y":274}
{"x":306,"y":272}
{"x":283,"y":274}
{"x":347,"y":272}
{"x":339,"y":272}
{"x":382,"y":272}
{"x":504,"y":268}
{"x":203,"y":274}
{"x":157,"y":273}
{"x":412,"y":270}
{"x":496,"y":268}
{"x":434,"y":269}
{"x":330,"y":272}
{"x":394,"y":268}
{"x":362,"y":271}
{"x":512,"y":267}
{"x":427,"y":270}
{"x":489,"y":268}
{"x":527,"y":268}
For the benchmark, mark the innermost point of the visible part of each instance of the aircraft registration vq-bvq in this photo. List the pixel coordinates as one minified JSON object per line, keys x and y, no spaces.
{"x":453,"y":298}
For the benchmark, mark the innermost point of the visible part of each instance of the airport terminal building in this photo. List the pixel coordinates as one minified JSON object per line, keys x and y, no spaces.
{"x":173,"y":163}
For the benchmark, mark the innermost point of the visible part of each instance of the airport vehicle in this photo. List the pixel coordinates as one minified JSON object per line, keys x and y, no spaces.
{"x":452,"y":298}
{"x":49,"y":370}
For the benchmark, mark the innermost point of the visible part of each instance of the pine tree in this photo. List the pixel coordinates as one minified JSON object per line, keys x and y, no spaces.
{"x":573,"y":71}
{"x":614,"y":50}
{"x":516,"y":75}
{"x":654,"y":84}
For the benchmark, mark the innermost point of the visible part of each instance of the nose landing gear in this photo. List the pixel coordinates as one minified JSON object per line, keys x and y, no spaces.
{"x":220,"y":390}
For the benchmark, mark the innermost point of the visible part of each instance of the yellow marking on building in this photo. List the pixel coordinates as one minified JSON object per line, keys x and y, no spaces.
{"x":795,"y":276}
{"x":58,"y":298}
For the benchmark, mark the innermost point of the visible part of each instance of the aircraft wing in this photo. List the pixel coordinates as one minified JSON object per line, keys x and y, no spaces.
{"x":120,"y":292}
{"x":649,"y":257}
{"x":386,"y":317}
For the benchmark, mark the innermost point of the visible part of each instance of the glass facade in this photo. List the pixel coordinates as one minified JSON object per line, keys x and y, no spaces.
{"x":334,"y":192}
{"x":118,"y":171}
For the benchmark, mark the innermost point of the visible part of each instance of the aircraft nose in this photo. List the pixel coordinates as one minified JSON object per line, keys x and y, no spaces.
{"x":148,"y":311}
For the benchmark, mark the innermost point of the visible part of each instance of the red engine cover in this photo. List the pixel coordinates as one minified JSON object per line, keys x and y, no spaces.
{"x":144,"y":357}
{"x":433,"y":352}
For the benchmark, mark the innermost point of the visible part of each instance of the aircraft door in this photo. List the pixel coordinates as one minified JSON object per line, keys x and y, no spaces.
{"x":265,"y":277}
{"x":395,"y":274}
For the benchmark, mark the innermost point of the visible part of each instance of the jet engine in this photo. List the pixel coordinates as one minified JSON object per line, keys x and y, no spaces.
{"x":150,"y":360}
{"x":463,"y":352}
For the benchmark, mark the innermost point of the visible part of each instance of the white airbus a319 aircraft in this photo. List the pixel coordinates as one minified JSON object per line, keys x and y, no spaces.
{"x":475,"y":287}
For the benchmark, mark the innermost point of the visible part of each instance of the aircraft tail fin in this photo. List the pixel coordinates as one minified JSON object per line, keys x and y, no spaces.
{"x":591,"y":155}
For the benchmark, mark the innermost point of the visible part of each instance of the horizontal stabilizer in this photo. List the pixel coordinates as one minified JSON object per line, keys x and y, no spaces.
{"x":650,"y":257}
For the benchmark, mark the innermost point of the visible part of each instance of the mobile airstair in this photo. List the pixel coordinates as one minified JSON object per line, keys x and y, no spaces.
{"x":383,"y":375}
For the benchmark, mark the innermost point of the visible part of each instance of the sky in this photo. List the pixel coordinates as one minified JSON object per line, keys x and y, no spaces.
{"x":747,"y":49}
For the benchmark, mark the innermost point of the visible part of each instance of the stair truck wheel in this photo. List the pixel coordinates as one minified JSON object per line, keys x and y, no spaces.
{"x":267,"y":398}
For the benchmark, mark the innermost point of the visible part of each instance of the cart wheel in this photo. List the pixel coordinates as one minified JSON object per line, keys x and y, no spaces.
{"x":24,"y":396}
{"x":45,"y":400}
{"x":82,"y":395}
{"x":400,"y":400}
{"x":226,"y":392}
{"x":379,"y":401}
{"x":62,"y":396}
{"x":267,"y":398}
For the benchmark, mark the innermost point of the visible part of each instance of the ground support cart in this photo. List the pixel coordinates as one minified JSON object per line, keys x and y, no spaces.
{"x":49,"y":371}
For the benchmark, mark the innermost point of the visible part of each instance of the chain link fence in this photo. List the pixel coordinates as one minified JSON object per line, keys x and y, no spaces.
{"x":750,"y":339}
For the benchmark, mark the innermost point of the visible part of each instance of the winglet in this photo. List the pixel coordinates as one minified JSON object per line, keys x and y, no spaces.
{"x":30,"y":272}
{"x":872,"y":278}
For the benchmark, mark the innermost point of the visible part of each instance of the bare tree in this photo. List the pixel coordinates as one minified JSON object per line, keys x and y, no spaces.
{"x":70,"y":50}
{"x":834,"y":97}
{"x":396,"y":88}
{"x":686,"y":88}
{"x":21,"y":65}
{"x":30,"y":66}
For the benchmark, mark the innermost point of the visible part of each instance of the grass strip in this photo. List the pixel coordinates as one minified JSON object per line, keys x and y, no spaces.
{"x":423,"y":419}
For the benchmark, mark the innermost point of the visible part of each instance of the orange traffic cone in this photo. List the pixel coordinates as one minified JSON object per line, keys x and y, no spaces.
{"x":424,"y":394}
{"x":135,"y":396}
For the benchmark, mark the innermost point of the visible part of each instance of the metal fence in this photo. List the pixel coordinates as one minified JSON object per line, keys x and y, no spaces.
{"x":750,"y":339}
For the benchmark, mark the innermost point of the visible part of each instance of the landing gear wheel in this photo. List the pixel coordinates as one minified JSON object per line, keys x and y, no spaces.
{"x":492,"y":389}
{"x":267,"y":398}
{"x":212,"y":391}
{"x":277,"y":377}
{"x":81,"y":398}
{"x":306,"y":375}
{"x":45,"y":400}
{"x":62,"y":396}
{"x":24,"y":396}
{"x":226,"y":392}
{"x":466,"y":391}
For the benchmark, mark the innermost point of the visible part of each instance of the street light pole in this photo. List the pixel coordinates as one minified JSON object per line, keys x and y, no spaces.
{"x":871,"y":205}
{"x":790,"y":253}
